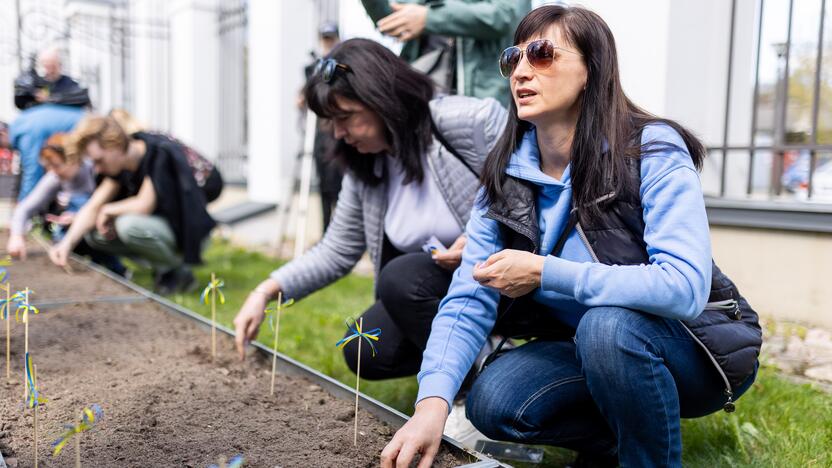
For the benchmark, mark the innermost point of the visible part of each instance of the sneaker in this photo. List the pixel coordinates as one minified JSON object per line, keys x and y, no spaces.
{"x":459,"y":428}
{"x":178,"y":280}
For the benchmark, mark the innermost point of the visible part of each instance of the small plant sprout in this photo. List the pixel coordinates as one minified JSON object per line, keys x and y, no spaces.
{"x":369,"y":337}
{"x":273,"y":315}
{"x":89,"y":417}
{"x":213,"y":289}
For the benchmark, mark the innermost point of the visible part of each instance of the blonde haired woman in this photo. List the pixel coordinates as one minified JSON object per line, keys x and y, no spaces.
{"x":148,"y":205}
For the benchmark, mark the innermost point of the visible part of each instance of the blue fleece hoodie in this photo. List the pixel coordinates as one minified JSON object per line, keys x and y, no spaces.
{"x":675,"y":284}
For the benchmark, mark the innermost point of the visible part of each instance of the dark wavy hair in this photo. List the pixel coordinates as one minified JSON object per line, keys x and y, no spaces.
{"x":388,"y":86}
{"x":606,"y":115}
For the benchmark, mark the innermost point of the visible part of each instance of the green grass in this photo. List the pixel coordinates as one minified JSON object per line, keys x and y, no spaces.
{"x":777,"y":424}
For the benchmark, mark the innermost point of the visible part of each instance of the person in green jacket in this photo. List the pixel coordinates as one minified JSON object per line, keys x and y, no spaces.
{"x":483,"y":28}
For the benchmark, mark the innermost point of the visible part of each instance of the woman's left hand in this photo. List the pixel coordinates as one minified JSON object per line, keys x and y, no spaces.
{"x":514,"y":273}
{"x":451,"y":258}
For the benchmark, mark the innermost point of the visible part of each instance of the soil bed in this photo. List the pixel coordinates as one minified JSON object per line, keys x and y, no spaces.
{"x":165,"y":403}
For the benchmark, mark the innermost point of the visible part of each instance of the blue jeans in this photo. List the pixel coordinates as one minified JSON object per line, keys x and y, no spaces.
{"x":620,"y":387}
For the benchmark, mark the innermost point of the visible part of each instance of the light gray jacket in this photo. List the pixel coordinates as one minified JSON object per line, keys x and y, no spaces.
{"x":471,"y":126}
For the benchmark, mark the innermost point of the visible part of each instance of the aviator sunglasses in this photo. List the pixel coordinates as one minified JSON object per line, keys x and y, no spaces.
{"x":539,"y":53}
{"x":327,"y":67}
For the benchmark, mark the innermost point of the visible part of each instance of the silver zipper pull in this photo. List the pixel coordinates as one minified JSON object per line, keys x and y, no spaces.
{"x":729,"y":406}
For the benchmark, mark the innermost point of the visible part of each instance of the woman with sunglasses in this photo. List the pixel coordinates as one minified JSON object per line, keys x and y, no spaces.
{"x":403,"y":186}
{"x":591,"y":227}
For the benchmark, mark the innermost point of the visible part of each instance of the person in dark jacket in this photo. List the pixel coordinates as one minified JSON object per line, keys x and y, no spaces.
{"x":147,"y":206}
{"x":590,"y":235}
{"x":53,"y":87}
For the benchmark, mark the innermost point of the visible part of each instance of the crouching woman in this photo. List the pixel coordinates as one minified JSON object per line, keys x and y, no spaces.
{"x":591,"y":229}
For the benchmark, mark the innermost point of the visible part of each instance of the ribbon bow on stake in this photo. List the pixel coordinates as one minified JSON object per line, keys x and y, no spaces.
{"x":214,"y":289}
{"x":355,"y":328}
{"x":89,"y":417}
{"x":5,"y":304}
{"x":215,"y":285}
{"x":22,"y":300}
{"x":369,"y":337}
{"x":4,"y":262}
{"x":273,"y":313}
{"x":235,"y":462}
{"x":33,"y":398}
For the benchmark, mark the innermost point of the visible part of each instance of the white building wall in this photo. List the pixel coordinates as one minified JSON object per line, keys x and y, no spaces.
{"x":280,"y":36}
{"x":95,"y":51}
{"x":150,"y":41}
{"x":195,"y":91}
{"x":8,"y":62}
{"x":641,"y":31}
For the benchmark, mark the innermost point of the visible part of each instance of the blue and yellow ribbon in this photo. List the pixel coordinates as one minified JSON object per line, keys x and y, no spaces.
{"x":22,"y":304}
{"x":6,"y":305}
{"x":215,"y":286}
{"x":355,"y":328}
{"x":271,"y":312}
{"x":236,"y":462}
{"x":32,"y":395}
{"x":4,"y":262}
{"x":90,"y":416}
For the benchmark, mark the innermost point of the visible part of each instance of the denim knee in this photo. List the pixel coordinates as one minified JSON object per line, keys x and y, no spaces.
{"x":488,"y":412}
{"x":601,"y":335}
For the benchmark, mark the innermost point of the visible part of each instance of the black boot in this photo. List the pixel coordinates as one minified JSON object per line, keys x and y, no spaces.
{"x":178,"y":280}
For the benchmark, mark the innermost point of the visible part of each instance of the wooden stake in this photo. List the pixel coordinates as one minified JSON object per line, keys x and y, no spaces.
{"x":357,"y":381}
{"x":8,"y":330}
{"x":78,"y":451}
{"x":35,"y":383}
{"x":26,"y":342}
{"x":213,"y":318}
{"x":276,"y":334}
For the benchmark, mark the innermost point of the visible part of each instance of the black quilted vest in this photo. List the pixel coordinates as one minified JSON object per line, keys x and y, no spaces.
{"x":727,"y":330}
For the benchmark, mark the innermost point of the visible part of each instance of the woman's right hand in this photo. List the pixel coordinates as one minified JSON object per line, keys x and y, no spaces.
{"x":16,"y":246}
{"x":59,"y":253}
{"x":421,"y":434}
{"x":251,"y":315}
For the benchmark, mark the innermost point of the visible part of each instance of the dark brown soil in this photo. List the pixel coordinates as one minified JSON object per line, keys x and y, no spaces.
{"x":165,"y":403}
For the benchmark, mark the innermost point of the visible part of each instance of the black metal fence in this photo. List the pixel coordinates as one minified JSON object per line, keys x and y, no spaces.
{"x":791,"y":116}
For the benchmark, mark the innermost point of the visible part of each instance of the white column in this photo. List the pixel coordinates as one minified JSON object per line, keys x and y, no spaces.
{"x":8,"y":64}
{"x":150,"y":67}
{"x":641,"y":31}
{"x":195,"y":91}
{"x":281,"y":34}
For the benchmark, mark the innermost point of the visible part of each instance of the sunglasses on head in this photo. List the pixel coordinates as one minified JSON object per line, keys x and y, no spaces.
{"x":539,"y":53}
{"x":327,"y":67}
